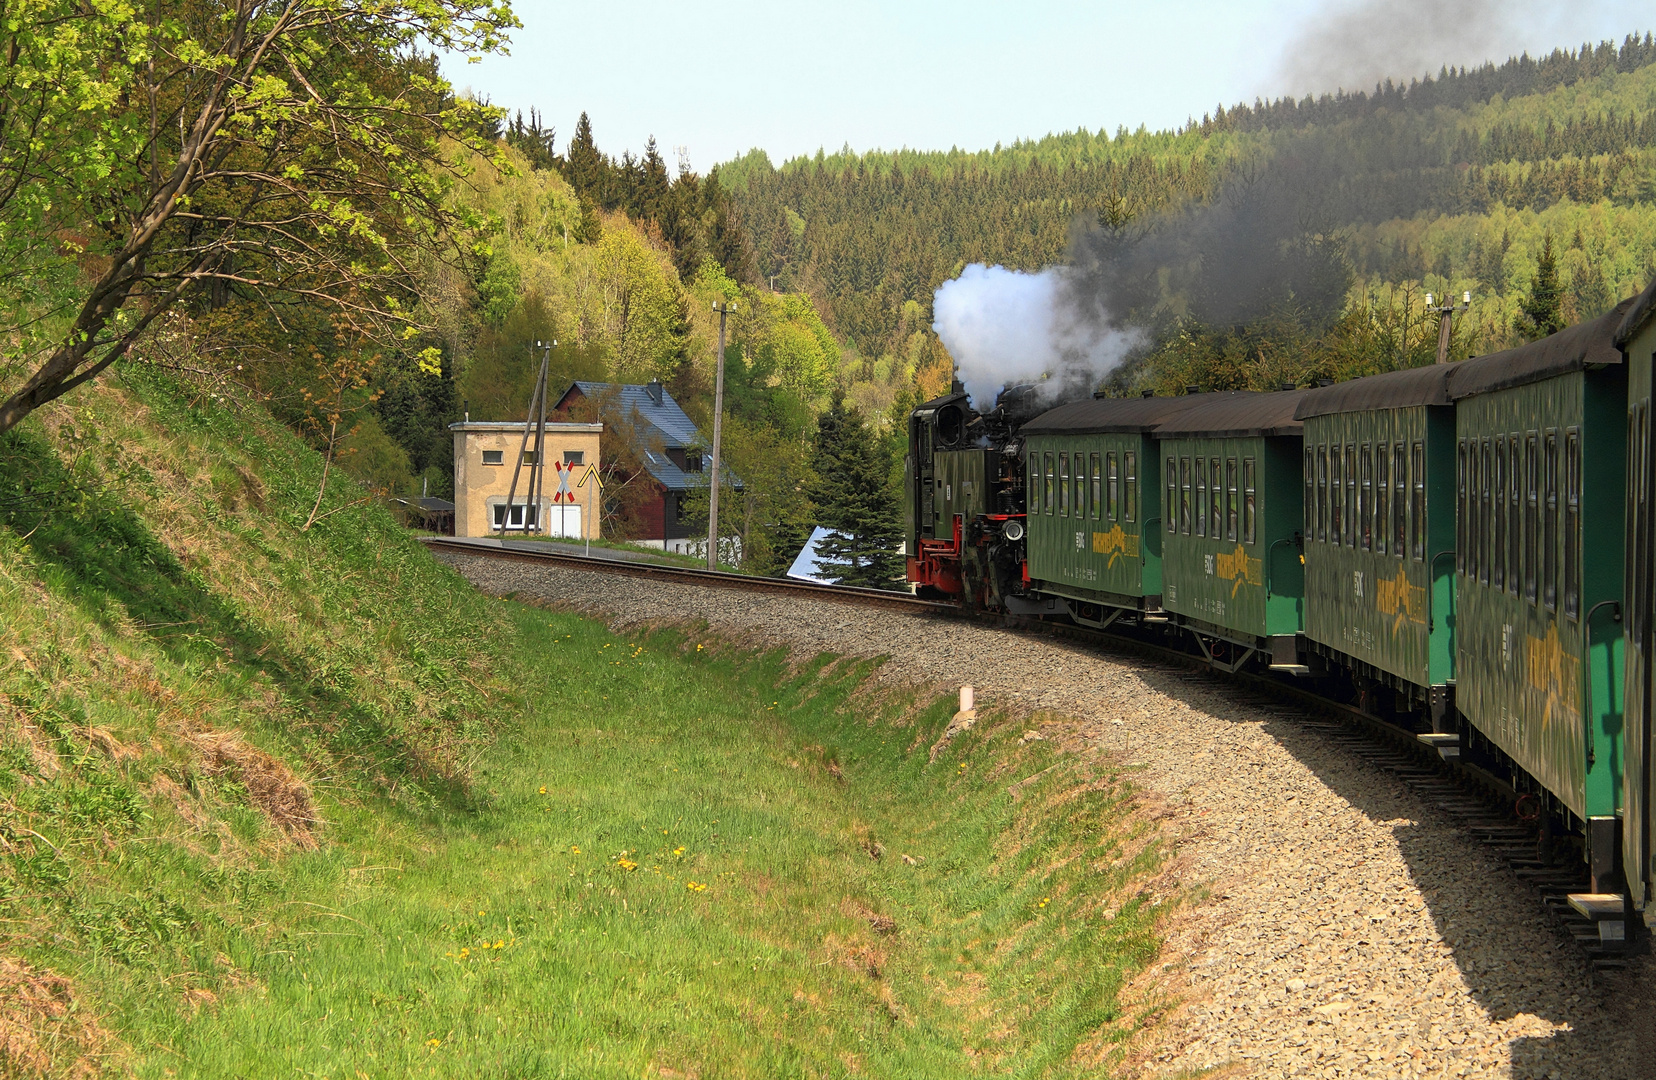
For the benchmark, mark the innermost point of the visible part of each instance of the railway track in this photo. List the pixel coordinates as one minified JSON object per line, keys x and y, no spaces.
{"x":1479,"y":803}
{"x":839,"y":594}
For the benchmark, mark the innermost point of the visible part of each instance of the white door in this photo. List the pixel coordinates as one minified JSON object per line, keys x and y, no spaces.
{"x":565,"y":520}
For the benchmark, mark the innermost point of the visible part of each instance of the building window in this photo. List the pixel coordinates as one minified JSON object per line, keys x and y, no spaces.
{"x":1131,"y":494}
{"x":1572,"y":523}
{"x":523,"y":516}
{"x":574,"y":457}
{"x":1248,"y":500}
{"x":1063,"y":485}
{"x":530,"y":457}
{"x":494,"y":457}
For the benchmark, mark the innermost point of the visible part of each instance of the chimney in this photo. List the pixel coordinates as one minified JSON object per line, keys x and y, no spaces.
{"x":653,"y":388}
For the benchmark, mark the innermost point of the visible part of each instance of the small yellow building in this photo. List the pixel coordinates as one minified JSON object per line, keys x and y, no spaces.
{"x":486,"y":456}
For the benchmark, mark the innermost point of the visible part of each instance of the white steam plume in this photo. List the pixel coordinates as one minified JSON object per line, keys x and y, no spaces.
{"x":1009,"y":326}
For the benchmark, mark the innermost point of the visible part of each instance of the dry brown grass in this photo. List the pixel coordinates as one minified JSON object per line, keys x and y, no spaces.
{"x":43,"y":1029}
{"x":271,"y":786}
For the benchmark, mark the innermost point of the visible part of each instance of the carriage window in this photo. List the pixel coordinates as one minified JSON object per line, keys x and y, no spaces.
{"x":1474,"y":515}
{"x":1048,"y":495}
{"x":1365,"y":498}
{"x":1460,"y":507}
{"x":1335,"y":491}
{"x":1112,"y":504}
{"x":1418,"y":509}
{"x":1130,"y":496}
{"x":1486,"y":515}
{"x":1216,"y":522}
{"x":1400,"y":501}
{"x":1310,"y":496}
{"x":1320,"y":525}
{"x":1184,"y":495}
{"x":1201,"y":496}
{"x":1572,"y":523}
{"x":1033,"y":496}
{"x":1497,"y":488}
{"x":1515,"y":512}
{"x":1233,"y":505}
{"x":1382,"y":498}
{"x":1170,"y":507}
{"x":1097,"y":506}
{"x":1081,"y":486}
{"x":1351,"y":526}
{"x":1532,"y":512}
{"x":1549,"y":538}
{"x":1063,"y":484}
{"x":1248,"y":500}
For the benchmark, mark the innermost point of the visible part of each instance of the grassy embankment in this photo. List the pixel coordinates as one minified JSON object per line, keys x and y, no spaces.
{"x":278,"y":803}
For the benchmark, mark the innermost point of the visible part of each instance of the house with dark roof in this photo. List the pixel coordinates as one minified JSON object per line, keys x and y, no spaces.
{"x":673,"y":451}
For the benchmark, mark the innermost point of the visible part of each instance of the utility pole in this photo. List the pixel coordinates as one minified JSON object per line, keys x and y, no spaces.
{"x":724,"y":308}
{"x":1446,"y":315}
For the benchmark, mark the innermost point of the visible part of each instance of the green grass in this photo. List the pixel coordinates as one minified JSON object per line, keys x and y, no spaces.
{"x":695,"y":891}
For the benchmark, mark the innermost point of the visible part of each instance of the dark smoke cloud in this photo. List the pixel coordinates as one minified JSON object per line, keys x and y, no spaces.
{"x":1358,"y":43}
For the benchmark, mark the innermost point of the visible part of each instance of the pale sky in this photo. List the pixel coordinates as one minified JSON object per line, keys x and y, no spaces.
{"x":720,"y":77}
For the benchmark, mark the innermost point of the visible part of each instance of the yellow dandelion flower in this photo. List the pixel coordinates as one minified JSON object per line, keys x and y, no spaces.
{"x":434,"y":1042}
{"x":626,"y":864}
{"x":678,"y":851}
{"x":573,"y":850}
{"x":464,"y":953}
{"x":500,"y":944}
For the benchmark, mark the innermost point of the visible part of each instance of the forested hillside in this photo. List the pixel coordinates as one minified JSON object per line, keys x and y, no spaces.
{"x":1447,"y":184}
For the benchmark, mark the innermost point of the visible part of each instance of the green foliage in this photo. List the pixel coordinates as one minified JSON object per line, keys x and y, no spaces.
{"x":208,"y":153}
{"x":856,"y":499}
{"x":1542,"y":312}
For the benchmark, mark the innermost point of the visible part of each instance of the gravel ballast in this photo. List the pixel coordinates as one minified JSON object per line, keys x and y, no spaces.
{"x":1351,"y":931}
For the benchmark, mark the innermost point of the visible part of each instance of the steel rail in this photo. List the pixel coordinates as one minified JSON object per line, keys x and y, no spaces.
{"x":840,"y":594}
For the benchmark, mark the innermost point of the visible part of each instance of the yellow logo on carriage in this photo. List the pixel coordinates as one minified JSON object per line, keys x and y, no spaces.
{"x":1239,"y":568}
{"x":1553,"y":671}
{"x":1400,"y":599}
{"x":1117,"y":544}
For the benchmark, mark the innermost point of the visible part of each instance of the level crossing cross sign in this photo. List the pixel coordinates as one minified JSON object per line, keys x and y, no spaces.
{"x":563,"y":494}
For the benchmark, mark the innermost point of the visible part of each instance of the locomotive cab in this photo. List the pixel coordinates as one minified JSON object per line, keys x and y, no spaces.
{"x":963,"y":504}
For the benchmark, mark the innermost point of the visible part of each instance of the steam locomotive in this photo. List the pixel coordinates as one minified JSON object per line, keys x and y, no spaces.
{"x":1465,"y":550}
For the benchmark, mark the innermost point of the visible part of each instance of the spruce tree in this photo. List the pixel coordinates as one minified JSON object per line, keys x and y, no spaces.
{"x":855,"y":500}
{"x":1542,"y":312}
{"x":587,"y":166}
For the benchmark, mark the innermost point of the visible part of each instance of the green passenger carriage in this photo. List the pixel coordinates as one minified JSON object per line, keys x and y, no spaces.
{"x":1541,"y":482}
{"x":1635,"y":337}
{"x":1095,"y":504}
{"x":1378,"y":474}
{"x":1231,"y":564}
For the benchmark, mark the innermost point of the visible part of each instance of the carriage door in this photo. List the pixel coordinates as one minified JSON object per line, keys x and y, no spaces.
{"x":1637,"y":582}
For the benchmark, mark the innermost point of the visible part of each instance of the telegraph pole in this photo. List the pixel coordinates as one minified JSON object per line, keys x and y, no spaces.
{"x":1446,"y":315}
{"x":724,"y":308}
